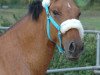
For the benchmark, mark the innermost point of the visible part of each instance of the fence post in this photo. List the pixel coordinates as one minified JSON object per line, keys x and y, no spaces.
{"x":97,"y":72}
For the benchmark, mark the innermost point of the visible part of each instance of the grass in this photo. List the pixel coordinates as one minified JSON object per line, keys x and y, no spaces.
{"x":91,"y":19}
{"x":91,"y":23}
{"x":8,"y":14}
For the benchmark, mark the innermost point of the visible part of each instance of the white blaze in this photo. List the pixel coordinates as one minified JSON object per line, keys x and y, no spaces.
{"x":69,"y":5}
{"x":72,"y":23}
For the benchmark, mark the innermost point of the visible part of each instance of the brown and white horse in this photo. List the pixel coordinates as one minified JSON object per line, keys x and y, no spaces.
{"x":25,"y":48}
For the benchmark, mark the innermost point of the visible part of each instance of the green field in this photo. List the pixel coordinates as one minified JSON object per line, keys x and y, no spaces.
{"x":11,"y":15}
{"x":90,"y":20}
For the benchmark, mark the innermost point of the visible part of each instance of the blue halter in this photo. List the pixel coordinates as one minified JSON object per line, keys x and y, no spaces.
{"x":51,"y":20}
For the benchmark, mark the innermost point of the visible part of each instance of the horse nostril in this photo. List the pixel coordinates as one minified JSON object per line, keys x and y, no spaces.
{"x":72,"y":47}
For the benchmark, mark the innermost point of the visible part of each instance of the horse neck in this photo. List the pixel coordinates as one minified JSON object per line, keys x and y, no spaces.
{"x":35,"y":46}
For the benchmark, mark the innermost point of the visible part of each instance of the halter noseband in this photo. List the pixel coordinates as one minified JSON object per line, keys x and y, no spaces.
{"x":54,"y":23}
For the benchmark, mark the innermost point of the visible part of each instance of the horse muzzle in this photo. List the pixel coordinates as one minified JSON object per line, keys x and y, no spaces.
{"x":73,"y":33}
{"x":73,"y":49}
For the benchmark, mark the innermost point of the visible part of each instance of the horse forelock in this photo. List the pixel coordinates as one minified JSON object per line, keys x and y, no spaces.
{"x":35,"y":8}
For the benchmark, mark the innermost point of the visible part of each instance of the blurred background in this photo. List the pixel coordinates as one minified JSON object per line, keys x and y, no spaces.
{"x":12,"y":10}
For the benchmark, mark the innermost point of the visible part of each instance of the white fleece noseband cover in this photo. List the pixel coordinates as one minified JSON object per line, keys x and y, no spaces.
{"x":68,"y":24}
{"x":72,"y":23}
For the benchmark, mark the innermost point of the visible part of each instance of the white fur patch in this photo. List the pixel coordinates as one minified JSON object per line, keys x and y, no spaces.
{"x":72,"y":23}
{"x":69,"y":5}
{"x":45,"y":2}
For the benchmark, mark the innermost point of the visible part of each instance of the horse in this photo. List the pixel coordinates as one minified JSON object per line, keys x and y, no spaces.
{"x":27,"y":47}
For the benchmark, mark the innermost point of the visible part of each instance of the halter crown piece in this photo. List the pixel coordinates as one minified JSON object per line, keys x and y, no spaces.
{"x":64,"y":27}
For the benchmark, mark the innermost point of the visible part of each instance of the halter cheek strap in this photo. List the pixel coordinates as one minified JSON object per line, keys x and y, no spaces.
{"x":51,"y":20}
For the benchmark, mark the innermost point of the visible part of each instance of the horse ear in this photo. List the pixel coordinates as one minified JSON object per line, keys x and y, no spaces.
{"x":35,"y":8}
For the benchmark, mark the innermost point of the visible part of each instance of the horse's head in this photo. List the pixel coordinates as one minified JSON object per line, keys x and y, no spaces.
{"x":66,"y":14}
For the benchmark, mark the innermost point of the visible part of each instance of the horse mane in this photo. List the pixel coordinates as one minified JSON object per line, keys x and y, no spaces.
{"x":35,"y":8}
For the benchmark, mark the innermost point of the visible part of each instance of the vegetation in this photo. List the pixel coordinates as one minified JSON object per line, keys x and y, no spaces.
{"x":59,"y":61}
{"x":84,"y":3}
{"x":14,"y":3}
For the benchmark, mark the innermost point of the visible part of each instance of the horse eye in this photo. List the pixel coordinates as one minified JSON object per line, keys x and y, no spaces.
{"x":55,"y":12}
